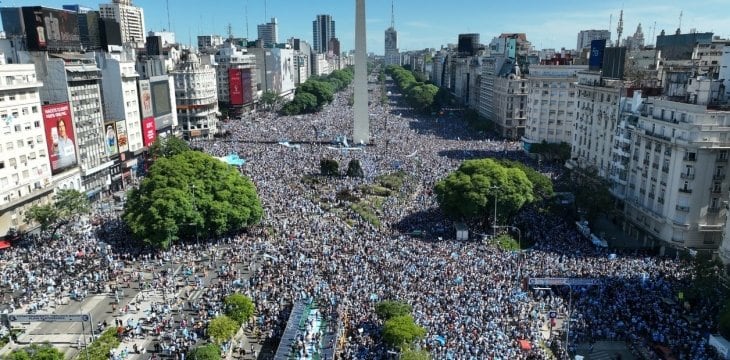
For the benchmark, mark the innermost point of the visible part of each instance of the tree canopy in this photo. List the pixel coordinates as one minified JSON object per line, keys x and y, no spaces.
{"x":468,"y":192}
{"x":168,"y":147}
{"x":67,"y":204}
{"x":99,"y":348}
{"x":402,"y":330}
{"x":205,"y":352}
{"x":420,"y":95}
{"x":190,"y":194}
{"x":318,"y":91}
{"x":389,"y":309}
{"x":222,"y":329}
{"x":239,"y":307}
{"x":542,"y":186}
{"x":43,"y":351}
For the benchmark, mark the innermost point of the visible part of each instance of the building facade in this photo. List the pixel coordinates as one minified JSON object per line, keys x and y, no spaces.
{"x":551,"y":103}
{"x":503,"y":96}
{"x":323,"y":29}
{"x":196,"y":95}
{"x":391,"y":47}
{"x":130,"y":19}
{"x":25,"y":173}
{"x":229,"y":57}
{"x":269,"y":33}
{"x":586,"y":36}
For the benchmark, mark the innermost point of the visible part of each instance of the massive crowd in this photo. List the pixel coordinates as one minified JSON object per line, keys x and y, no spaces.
{"x":470,"y":296}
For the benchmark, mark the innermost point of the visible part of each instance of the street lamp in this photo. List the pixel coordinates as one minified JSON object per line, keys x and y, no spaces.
{"x":197,"y":241}
{"x":494,"y":188}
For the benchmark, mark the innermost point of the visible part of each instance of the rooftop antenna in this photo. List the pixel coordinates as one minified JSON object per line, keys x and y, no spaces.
{"x":230,"y":31}
{"x":247,"y":37}
{"x":620,"y":27}
{"x":266,"y":13}
{"x":680,"y":21}
{"x":169,"y":28}
{"x":392,"y":14}
{"x":653,"y":33}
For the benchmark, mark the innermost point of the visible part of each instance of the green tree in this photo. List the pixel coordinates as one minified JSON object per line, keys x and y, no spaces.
{"x":354,"y":169}
{"x":190,"y":194}
{"x":422,"y":96}
{"x":507,"y":243}
{"x":239,"y":308}
{"x":100,"y":348}
{"x":410,"y":354}
{"x":67,"y":205}
{"x":222,"y":329}
{"x":44,"y":351}
{"x":305,"y":102}
{"x":389,"y":309}
{"x":269,"y":98}
{"x":329,"y":167}
{"x":468,"y":192}
{"x":320,"y":89}
{"x":592,"y":197}
{"x":168,"y":147}
{"x":542,"y":186}
{"x":205,"y":352}
{"x":45,"y":215}
{"x":402,"y":330}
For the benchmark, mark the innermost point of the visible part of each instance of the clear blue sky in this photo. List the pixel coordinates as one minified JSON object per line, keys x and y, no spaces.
{"x":428,"y":23}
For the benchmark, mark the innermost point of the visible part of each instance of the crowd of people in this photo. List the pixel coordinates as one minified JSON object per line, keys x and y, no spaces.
{"x":469,"y":296}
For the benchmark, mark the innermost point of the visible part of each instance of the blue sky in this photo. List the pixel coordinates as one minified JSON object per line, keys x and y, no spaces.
{"x":428,"y":23}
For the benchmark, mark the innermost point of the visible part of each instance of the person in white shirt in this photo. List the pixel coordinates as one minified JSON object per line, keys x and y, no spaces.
{"x":65,"y":148}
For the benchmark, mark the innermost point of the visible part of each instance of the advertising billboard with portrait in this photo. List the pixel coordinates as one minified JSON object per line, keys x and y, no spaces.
{"x":235,"y":87}
{"x":247,"y":84}
{"x":149,"y":134}
{"x":122,"y":137}
{"x":59,"y":136}
{"x":145,"y":98}
{"x":111,"y":144}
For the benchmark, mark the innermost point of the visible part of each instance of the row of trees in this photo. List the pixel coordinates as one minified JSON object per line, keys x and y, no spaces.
{"x":420,"y":95}
{"x":189,"y":194}
{"x":316,"y":92}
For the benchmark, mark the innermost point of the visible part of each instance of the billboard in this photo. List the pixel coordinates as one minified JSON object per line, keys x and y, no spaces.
{"x":51,"y":29}
{"x":122,"y":137}
{"x":235,"y":87}
{"x":110,"y":32}
{"x":145,"y":98}
{"x":111,"y":142}
{"x":161,"y":97}
{"x":595,"y":61}
{"x":614,"y":62}
{"x":247,"y":81}
{"x":59,"y":136}
{"x":148,"y":131}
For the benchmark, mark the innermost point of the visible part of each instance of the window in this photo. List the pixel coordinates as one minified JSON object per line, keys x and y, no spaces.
{"x":2,"y":164}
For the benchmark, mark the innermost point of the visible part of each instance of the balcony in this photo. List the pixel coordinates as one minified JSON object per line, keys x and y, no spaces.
{"x":682,"y":208}
{"x":665,"y":169}
{"x":710,"y":227}
{"x":686,"y":176}
{"x":718,"y":177}
{"x":713,"y":210}
{"x":686,"y":191}
{"x":657,"y":136}
{"x":689,"y":158}
{"x":721,"y":160}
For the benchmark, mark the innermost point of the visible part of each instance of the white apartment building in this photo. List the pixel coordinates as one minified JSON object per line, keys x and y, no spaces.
{"x":25,"y":173}
{"x":725,"y":69}
{"x":119,"y":89}
{"x":196,"y":96}
{"x":551,"y":103}
{"x":674,"y":184}
{"x":230,"y":56}
{"x":504,"y":97}
{"x":320,"y":65}
{"x":130,"y":19}
{"x":595,"y":123}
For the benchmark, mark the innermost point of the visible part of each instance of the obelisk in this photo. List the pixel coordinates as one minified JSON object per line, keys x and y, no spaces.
{"x":361,"y":125}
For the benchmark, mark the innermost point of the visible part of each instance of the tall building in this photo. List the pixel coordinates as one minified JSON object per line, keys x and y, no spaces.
{"x":88,"y":20}
{"x":551,"y":103}
{"x":196,"y":95}
{"x":636,"y":41}
{"x":302,"y":60}
{"x":208,"y":42}
{"x":468,"y":44}
{"x":25,"y":173}
{"x":586,"y":36}
{"x":504,"y":96}
{"x":673,"y":174}
{"x":323,"y":29}
{"x":269,"y":33}
{"x":391,"y":41}
{"x":73,"y":81}
{"x":130,"y":19}
{"x":228,"y":57}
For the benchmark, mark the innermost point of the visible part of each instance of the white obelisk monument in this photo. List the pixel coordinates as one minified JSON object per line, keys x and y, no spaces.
{"x":361,"y":128}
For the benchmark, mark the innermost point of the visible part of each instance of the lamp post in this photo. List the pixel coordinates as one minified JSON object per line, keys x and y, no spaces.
{"x":197,"y":241}
{"x":494,"y":188}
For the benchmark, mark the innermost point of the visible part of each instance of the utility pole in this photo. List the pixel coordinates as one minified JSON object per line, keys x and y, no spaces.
{"x":494,"y":223}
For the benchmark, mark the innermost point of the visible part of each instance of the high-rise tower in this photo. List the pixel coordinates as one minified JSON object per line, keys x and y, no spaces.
{"x":392,"y":57}
{"x":323,"y":29}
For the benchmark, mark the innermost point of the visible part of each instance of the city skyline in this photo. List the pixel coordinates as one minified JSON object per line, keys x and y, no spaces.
{"x":424,"y":24}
